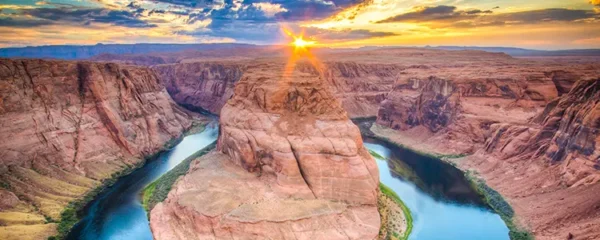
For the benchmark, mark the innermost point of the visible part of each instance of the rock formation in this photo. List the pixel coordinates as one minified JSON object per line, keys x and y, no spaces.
{"x":564,"y":133}
{"x":290,"y":165}
{"x":530,"y":131}
{"x":209,"y":84}
{"x":69,"y":125}
{"x":431,"y":103}
{"x":201,"y":85}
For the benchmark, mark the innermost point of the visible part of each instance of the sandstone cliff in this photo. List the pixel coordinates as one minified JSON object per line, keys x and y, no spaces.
{"x":532,"y":135}
{"x":209,"y":84}
{"x":290,"y":165}
{"x":66,"y":126}
{"x":205,"y":85}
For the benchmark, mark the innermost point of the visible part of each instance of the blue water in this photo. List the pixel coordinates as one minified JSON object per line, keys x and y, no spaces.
{"x":442,"y":204}
{"x":117,"y":212}
{"x":443,"y":207}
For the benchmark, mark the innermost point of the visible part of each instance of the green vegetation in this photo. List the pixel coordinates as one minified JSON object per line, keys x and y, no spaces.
{"x":490,"y":196}
{"x":409,"y":220}
{"x":147,"y":193}
{"x":376,"y":155}
{"x":501,"y":206}
{"x":158,"y":190}
{"x":69,"y":216}
{"x":5,"y":185}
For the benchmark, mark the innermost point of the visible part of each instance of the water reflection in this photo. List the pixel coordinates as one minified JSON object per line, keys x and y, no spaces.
{"x":440,"y":199}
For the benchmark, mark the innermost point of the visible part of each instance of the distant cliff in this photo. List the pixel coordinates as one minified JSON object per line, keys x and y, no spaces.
{"x":209,"y":84}
{"x":84,"y":52}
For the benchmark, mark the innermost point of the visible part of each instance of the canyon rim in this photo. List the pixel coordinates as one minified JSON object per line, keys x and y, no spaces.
{"x":304,"y":119}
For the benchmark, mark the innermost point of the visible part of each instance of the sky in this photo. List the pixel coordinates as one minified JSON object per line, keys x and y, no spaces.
{"x":535,"y":24}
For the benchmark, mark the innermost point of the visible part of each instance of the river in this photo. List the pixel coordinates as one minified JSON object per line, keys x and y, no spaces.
{"x":440,"y":199}
{"x":117,"y":212}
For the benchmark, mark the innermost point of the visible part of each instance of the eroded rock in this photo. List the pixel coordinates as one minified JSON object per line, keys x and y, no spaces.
{"x":290,"y":165}
{"x":68,"y":125}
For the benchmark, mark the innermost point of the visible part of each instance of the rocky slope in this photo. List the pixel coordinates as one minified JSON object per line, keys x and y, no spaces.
{"x":205,"y":85}
{"x":209,"y":84}
{"x":66,"y":126}
{"x":290,"y":165}
{"x":530,"y":132}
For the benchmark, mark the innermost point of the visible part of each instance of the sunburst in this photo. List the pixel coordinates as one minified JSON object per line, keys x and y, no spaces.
{"x":301,"y":51}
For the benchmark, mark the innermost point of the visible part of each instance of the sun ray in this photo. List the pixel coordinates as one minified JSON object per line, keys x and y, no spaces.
{"x":301,"y":51}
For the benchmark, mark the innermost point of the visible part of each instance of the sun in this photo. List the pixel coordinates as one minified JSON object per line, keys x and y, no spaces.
{"x":301,"y":52}
{"x":299,"y":42}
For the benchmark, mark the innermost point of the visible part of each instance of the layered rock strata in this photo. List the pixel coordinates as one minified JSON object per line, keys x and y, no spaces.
{"x":533,"y":140}
{"x":66,"y":126}
{"x":290,"y":165}
{"x":208,"y":85}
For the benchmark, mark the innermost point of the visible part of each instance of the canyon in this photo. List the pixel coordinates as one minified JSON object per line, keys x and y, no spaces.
{"x":289,"y":165}
{"x":528,"y":127}
{"x":67,"y":127}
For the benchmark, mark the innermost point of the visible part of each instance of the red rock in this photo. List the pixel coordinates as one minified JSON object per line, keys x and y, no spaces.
{"x":68,"y":125}
{"x":292,"y":166}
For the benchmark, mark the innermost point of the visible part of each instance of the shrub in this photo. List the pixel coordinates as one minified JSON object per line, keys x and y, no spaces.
{"x":158,"y":190}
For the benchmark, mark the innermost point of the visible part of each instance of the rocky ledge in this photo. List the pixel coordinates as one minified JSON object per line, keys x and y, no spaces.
{"x":290,"y":165}
{"x":66,"y":127}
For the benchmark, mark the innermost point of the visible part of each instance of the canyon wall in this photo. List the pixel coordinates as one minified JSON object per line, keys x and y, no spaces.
{"x":289,"y":164}
{"x":565,"y":133}
{"x":208,"y":85}
{"x":66,"y":126}
{"x":529,"y":130}
{"x":204,"y":85}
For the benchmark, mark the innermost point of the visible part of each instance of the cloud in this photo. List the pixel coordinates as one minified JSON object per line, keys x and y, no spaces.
{"x":596,"y":3}
{"x":195,"y":3}
{"x":24,"y":23}
{"x":531,"y":17}
{"x":294,"y":10}
{"x":344,"y":35}
{"x":269,"y":9}
{"x":436,"y":13}
{"x":88,"y":16}
{"x":450,"y":16}
{"x":241,"y":30}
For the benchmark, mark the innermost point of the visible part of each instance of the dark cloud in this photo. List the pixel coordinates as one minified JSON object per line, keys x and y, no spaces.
{"x":296,"y":10}
{"x":23,"y":23}
{"x":324,"y":34}
{"x":313,"y":9}
{"x":436,"y":13}
{"x":88,"y":16}
{"x":477,"y":11}
{"x":195,"y":3}
{"x":530,"y":17}
{"x":546,"y":15}
{"x":241,"y":30}
{"x":445,"y":16}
